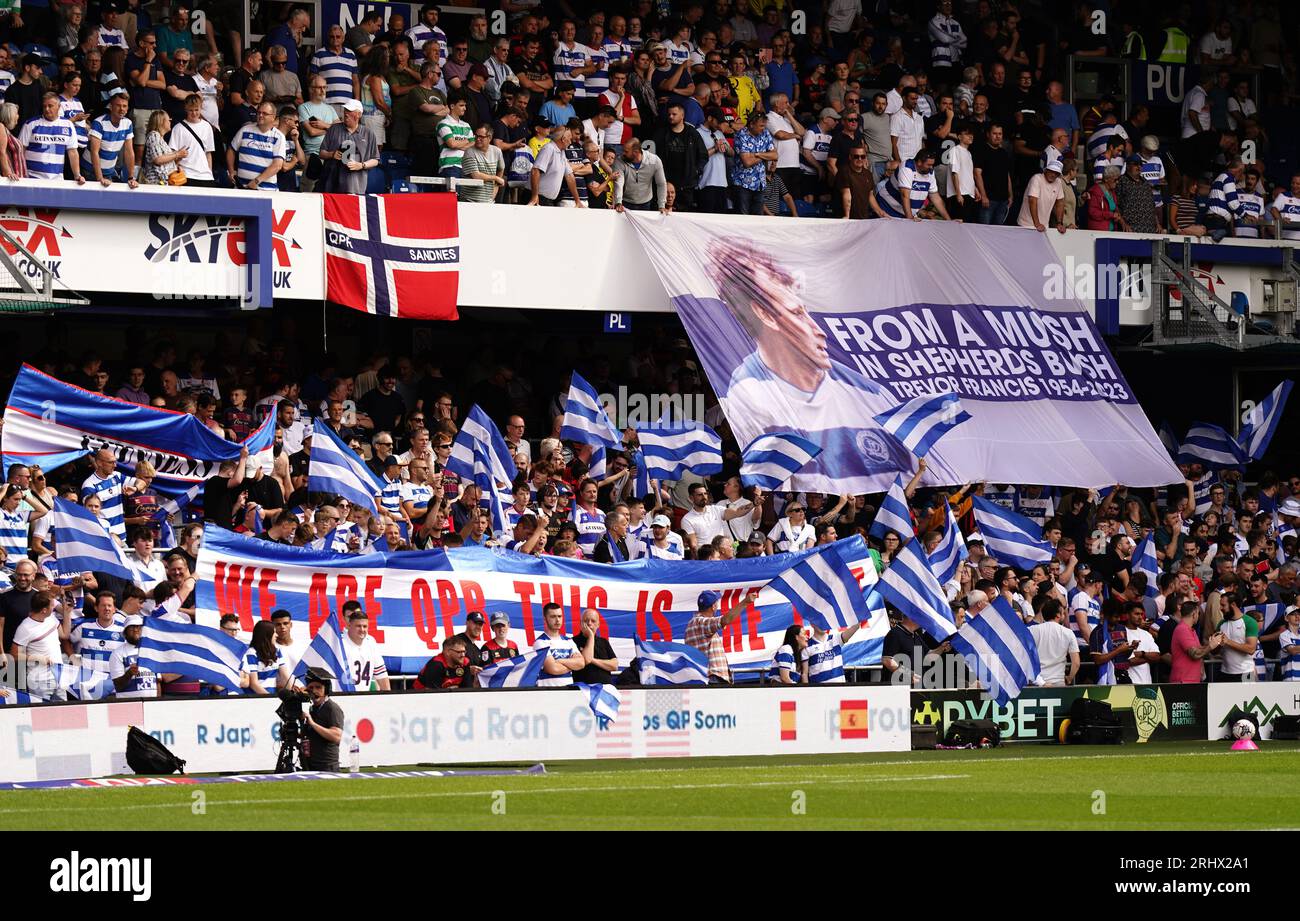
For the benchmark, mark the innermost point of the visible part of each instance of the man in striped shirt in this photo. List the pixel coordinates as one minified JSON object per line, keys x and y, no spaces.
{"x":338,"y":65}
{"x":106,"y":483}
{"x":49,"y":141}
{"x":454,"y":135}
{"x":906,"y":192}
{"x":110,"y":155}
{"x":1224,"y":206}
{"x":425,"y":31}
{"x":257,"y":152}
{"x":95,"y":638}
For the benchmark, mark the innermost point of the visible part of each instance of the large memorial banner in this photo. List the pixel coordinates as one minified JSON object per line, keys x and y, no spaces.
{"x":817,"y":326}
{"x":416,"y":600}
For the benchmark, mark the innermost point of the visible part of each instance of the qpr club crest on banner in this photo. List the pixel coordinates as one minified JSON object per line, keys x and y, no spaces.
{"x":393,"y":255}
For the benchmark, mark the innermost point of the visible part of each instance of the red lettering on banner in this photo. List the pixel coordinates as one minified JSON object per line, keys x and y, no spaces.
{"x":266,"y":597}
{"x":345,"y":590}
{"x":640,"y":612}
{"x":426,"y":621}
{"x":236,"y":241}
{"x":42,"y":237}
{"x":373,"y":607}
{"x":525,"y":592}
{"x":598,"y":598}
{"x":473,"y":595}
{"x":234,"y":589}
{"x":318,"y":603}
{"x":449,"y":605}
{"x":752,"y":617}
{"x":575,"y":610}
{"x":732,"y":638}
{"x":663,"y":601}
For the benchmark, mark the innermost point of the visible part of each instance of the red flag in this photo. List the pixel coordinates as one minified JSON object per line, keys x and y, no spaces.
{"x":393,"y":255}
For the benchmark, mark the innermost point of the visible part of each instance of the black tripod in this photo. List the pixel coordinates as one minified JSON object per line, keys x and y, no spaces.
{"x":289,"y":760}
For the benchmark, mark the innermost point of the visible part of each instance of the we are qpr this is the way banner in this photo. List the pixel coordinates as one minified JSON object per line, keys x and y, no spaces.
{"x":820,"y":327}
{"x":416,"y":600}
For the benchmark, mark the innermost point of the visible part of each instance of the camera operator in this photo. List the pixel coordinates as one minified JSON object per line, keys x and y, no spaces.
{"x":324,"y":726}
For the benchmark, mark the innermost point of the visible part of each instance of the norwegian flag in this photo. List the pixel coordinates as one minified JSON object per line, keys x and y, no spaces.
{"x":381,"y":251}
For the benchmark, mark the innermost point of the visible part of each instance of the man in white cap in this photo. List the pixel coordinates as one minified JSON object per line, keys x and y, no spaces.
{"x":129,"y":679}
{"x":663,"y":543}
{"x":354,"y":147}
{"x":1044,"y":200}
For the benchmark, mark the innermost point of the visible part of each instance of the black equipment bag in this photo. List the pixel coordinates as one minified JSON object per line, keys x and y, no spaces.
{"x":1093,"y":722}
{"x":146,"y":755}
{"x":1286,"y":727}
{"x":974,"y":733}
{"x":924,"y":738}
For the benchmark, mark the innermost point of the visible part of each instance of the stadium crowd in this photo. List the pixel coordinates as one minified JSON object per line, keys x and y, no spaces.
{"x":903,"y":110}
{"x":1226,"y":546}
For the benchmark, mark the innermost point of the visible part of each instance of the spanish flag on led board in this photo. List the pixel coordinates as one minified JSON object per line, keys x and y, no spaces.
{"x":853,"y":719}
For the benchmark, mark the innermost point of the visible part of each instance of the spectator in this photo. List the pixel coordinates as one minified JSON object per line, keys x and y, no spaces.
{"x":551,"y":172}
{"x":1146,"y":652}
{"x":256,"y":152}
{"x":993,"y":177}
{"x":194,"y":139}
{"x":28,"y":91}
{"x":1043,"y":201}
{"x":110,"y":153}
{"x":597,"y":654}
{"x":562,"y":657}
{"x":642,"y":185}
{"x":662,"y":543}
{"x":485,"y":163}
{"x":174,"y":36}
{"x":1250,"y":216}
{"x":905,"y":193}
{"x":207,"y":79}
{"x":337,"y":64}
{"x":455,"y":136}
{"x":792,"y":532}
{"x":683,"y":154}
{"x":499,"y":70}
{"x":704,"y":631}
{"x":856,"y":186}
{"x":281,"y":80}
{"x":451,"y":668}
{"x":906,"y":128}
{"x":1224,"y":206}
{"x":789,"y":665}
{"x":825,"y":653}
{"x":264,"y":663}
{"x":376,"y":95}
{"x":50,"y":141}
{"x":1186,"y":652}
{"x":36,"y":644}
{"x":1137,"y":204}
{"x":963,"y":203}
{"x":1056,"y":646}
{"x":360,"y":39}
{"x":1239,"y":638}
{"x":354,"y":151}
{"x":13,"y":161}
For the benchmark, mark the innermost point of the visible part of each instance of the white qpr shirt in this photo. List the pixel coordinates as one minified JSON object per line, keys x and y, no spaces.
{"x":364,"y":662}
{"x":674,"y":551}
{"x":785,"y":537}
{"x":555,"y":647}
{"x":145,"y":682}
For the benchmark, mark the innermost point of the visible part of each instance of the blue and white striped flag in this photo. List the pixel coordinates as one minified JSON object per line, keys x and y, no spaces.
{"x":671,"y":663}
{"x":82,"y":543}
{"x":585,"y":420}
{"x":1008,"y":537}
{"x":951,"y":550}
{"x":893,"y":514}
{"x":672,"y":449}
{"x":1211,"y":446}
{"x":597,"y":468}
{"x":604,"y":699}
{"x":923,"y":420}
{"x":479,"y":429}
{"x":83,"y":683}
{"x":644,"y":486}
{"x":772,"y":459}
{"x":1260,"y":424}
{"x":261,"y":444}
{"x":909,"y":585}
{"x":326,"y":654}
{"x":191,"y":651}
{"x":1145,"y":562}
{"x":15,"y":698}
{"x":999,"y":649}
{"x":165,"y":511}
{"x":518,"y":672}
{"x":491,"y":496}
{"x":823,"y":590}
{"x":336,"y":469}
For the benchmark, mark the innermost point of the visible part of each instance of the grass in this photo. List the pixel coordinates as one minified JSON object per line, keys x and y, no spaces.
{"x":1173,"y":786}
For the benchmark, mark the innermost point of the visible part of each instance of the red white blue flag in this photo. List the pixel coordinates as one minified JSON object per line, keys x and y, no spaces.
{"x":393,"y":255}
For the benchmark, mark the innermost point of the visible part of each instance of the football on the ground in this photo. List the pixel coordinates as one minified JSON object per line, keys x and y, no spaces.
{"x":1243,"y":729}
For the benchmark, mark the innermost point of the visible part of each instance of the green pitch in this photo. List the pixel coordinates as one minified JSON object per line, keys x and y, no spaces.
{"x":1169,"y":786}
